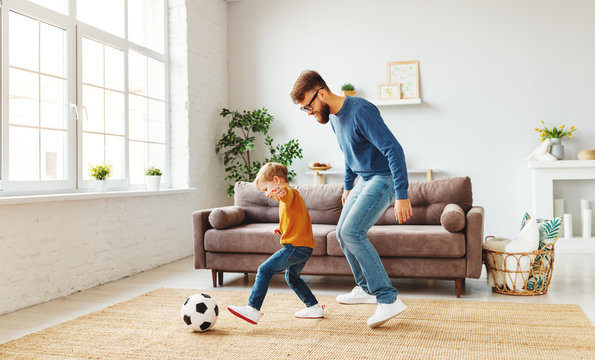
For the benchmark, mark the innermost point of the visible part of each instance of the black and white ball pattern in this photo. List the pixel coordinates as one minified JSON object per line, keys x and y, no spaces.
{"x":200,"y":312}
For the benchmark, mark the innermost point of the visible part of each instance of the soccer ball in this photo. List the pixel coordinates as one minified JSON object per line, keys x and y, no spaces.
{"x":200,"y":312}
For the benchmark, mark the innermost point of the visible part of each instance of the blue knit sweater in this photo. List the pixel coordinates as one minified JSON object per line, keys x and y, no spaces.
{"x":370,"y":148}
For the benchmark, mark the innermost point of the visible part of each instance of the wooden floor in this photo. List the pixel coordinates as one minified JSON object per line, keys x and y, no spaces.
{"x":573,"y":283}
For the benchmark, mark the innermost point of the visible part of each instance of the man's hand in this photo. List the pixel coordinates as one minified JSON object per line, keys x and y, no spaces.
{"x":344,"y":196}
{"x":276,"y":193}
{"x":403,"y":210}
{"x":277,"y":231}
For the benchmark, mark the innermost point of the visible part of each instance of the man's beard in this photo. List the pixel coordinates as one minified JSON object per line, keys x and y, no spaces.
{"x":323,"y":115}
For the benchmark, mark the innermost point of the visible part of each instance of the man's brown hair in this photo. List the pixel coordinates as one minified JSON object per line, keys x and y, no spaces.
{"x":270,"y":170}
{"x":308,"y":80}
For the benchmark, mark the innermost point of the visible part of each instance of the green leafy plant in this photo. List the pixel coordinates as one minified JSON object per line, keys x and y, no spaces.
{"x":240,"y":139}
{"x":554,"y":132}
{"x":347,"y":87}
{"x":153,"y":171}
{"x":100,"y":172}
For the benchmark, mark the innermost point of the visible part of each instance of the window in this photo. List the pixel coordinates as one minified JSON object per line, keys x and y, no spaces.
{"x":82,"y":84}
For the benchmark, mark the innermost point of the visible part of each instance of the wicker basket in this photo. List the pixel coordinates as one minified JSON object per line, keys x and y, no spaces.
{"x":526,"y":273}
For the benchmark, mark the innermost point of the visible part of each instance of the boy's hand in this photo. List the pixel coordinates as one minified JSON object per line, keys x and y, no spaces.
{"x":276,"y":193}
{"x":277,"y":231}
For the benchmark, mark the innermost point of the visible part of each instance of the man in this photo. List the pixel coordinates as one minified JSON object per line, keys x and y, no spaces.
{"x":372,"y":152}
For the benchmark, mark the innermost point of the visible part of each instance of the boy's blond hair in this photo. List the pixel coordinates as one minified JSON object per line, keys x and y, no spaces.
{"x":270,"y":170}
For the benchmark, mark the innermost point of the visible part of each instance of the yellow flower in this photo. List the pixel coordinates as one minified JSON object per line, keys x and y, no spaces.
{"x":570,"y":135}
{"x":542,"y":121}
{"x":572,"y":127}
{"x":543,"y":139}
{"x":562,"y":127}
{"x":542,"y":134}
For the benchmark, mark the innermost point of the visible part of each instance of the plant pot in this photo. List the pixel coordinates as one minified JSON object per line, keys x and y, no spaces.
{"x":348,"y":93}
{"x":557,"y":148}
{"x":100,"y":185}
{"x":153,"y":182}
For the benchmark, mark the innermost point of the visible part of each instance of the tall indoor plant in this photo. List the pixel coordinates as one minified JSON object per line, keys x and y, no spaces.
{"x":241,"y":138}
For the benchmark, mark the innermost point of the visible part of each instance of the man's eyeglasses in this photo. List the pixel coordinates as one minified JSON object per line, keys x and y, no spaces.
{"x":308,"y":108}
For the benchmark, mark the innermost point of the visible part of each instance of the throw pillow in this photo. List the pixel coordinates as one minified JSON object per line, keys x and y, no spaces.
{"x":453,"y":218}
{"x":228,"y":216}
{"x":518,"y":265}
{"x":549,"y":229}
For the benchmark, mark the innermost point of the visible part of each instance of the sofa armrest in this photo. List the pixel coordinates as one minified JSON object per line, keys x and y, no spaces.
{"x":200,"y":225}
{"x":474,"y":238}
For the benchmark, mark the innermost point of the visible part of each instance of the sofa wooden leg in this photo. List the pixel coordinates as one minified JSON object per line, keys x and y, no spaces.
{"x":459,"y":286}
{"x":220,"y":277}
{"x":214,"y":275}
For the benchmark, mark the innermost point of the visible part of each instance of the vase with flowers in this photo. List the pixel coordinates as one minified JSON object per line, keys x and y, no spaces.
{"x":555,"y":134}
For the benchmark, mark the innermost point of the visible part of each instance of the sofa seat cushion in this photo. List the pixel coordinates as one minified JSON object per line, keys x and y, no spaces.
{"x":258,"y":238}
{"x":409,"y":241}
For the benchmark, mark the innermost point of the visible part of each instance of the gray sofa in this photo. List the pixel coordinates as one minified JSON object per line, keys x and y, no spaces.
{"x":442,"y":240}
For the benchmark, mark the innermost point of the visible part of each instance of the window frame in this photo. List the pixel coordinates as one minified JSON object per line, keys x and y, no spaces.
{"x":75,"y":31}
{"x":41,"y":14}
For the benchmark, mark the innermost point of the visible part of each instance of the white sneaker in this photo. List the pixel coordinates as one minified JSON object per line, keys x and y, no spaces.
{"x":247,"y":313}
{"x":312,"y":312}
{"x":385,"y":312}
{"x":357,"y":296}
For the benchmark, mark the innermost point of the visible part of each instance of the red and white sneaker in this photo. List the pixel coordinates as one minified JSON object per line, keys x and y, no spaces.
{"x":247,"y":313}
{"x":312,"y":312}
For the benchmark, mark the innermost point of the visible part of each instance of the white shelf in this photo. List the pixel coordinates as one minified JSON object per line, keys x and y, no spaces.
{"x":396,"y":102}
{"x":561,"y":164}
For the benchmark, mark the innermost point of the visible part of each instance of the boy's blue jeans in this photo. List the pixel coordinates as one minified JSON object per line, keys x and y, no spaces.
{"x":292,"y":259}
{"x":368,"y":200}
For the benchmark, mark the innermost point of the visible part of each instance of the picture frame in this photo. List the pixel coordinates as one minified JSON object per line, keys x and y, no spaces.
{"x":406,"y":73}
{"x":389,"y":91}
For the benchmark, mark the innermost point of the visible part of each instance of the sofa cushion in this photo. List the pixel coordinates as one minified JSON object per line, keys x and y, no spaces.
{"x":409,"y":241}
{"x":258,"y":238}
{"x":429,"y":198}
{"x":453,"y":218}
{"x":323,"y":203}
{"x":228,"y":216}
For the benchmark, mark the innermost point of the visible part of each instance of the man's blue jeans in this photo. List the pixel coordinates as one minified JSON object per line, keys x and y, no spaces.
{"x":292,"y":259}
{"x":368,"y":200}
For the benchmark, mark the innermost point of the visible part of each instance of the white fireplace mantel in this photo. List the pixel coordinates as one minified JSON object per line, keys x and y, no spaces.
{"x":543,"y":175}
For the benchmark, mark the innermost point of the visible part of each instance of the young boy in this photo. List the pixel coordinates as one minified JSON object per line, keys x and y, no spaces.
{"x":295,"y":229}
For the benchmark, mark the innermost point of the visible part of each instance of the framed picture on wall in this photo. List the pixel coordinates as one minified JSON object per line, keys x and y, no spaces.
{"x":407,"y":74}
{"x":389,"y":91}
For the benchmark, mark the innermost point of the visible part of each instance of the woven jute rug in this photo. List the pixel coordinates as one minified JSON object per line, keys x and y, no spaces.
{"x":150,"y":327}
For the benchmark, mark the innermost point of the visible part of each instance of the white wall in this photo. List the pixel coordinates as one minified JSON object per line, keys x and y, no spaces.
{"x":52,"y":249}
{"x":490,"y":71}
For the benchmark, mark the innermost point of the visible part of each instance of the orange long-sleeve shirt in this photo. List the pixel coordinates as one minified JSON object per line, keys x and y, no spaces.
{"x":294,"y":220}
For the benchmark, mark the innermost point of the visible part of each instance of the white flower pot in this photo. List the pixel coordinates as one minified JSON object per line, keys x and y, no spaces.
{"x":153,"y":182}
{"x":100,"y":185}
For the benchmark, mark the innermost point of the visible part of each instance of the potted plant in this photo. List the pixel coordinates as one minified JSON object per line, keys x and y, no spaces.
{"x":555,"y":134}
{"x":348,"y":90}
{"x":241,"y":138}
{"x":100,"y":173}
{"x":153,"y":178}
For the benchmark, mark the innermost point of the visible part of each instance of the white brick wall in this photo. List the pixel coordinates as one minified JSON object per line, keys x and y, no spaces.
{"x":48,"y":250}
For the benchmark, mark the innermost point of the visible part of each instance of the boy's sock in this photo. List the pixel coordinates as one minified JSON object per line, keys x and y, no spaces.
{"x":247,"y":313}
{"x":312,"y":312}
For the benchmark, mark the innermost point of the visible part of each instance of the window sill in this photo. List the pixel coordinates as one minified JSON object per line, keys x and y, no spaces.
{"x":24,"y":199}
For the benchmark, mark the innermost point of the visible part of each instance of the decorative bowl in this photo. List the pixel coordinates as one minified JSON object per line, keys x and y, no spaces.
{"x":319,"y":165}
{"x":586,"y":155}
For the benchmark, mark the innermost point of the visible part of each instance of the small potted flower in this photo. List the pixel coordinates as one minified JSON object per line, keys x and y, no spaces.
{"x":153,"y":178}
{"x":347,"y":90}
{"x":555,"y":134}
{"x":100,"y":173}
